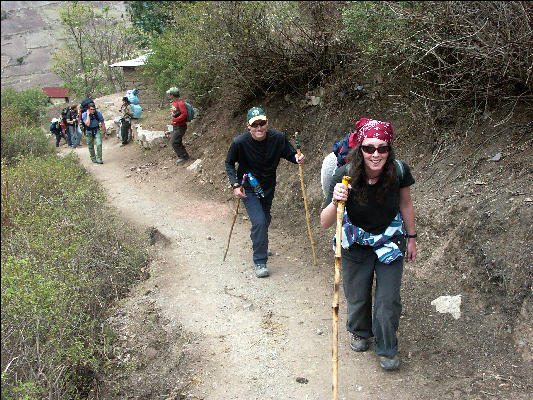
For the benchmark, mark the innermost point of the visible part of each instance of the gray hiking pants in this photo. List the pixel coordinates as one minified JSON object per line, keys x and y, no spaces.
{"x":359,"y":265}
{"x":177,"y":140}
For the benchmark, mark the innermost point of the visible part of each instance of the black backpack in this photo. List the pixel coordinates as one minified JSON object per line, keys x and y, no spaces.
{"x":84,"y":105}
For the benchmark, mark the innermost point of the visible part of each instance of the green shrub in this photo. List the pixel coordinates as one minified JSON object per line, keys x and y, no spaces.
{"x":23,"y":141}
{"x":247,"y":49}
{"x":444,"y":53}
{"x":453,"y":52}
{"x":65,"y":259}
{"x":29,"y":104}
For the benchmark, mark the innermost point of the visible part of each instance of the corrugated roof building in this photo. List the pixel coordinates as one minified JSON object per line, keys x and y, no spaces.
{"x":57,"y":95}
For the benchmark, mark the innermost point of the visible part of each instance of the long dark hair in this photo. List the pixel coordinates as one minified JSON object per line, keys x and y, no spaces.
{"x":359,"y":180}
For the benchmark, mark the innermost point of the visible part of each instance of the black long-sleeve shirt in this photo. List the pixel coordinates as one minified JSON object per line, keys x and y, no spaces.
{"x":261,"y":158}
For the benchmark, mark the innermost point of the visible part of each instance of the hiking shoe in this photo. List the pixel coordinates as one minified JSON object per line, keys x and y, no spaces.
{"x":93,"y":160}
{"x":182,"y":159}
{"x":269,"y":253}
{"x":359,"y":343}
{"x":389,"y":364}
{"x":261,"y":270}
{"x":99,"y":162}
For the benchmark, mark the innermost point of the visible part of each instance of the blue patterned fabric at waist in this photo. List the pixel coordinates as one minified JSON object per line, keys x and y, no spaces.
{"x":386,"y":250}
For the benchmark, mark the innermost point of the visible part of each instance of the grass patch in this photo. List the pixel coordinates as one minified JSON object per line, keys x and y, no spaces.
{"x":65,"y":259}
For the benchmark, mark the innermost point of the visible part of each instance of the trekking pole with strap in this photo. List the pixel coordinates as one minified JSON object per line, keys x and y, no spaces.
{"x":234,"y":217}
{"x":336,"y":285}
{"x":305,"y":198}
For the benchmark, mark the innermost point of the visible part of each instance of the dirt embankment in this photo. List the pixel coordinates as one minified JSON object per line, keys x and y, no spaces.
{"x":225,"y":334}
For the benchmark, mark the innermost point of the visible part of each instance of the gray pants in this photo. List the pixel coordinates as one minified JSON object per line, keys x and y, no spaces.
{"x":359,"y":264}
{"x":177,"y":140}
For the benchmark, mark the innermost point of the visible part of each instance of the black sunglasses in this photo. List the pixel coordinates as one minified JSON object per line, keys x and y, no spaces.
{"x":371,"y":149}
{"x":256,"y":124}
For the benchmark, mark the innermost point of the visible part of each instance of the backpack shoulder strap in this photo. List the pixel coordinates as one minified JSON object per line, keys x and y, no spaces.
{"x":399,"y":169}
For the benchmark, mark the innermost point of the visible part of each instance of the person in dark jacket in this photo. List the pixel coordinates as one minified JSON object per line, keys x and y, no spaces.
{"x":55,"y":128}
{"x":72,"y":126}
{"x":179,"y":124}
{"x":258,"y":152}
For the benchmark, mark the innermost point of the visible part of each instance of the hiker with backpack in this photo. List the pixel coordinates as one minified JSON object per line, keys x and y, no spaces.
{"x":64,"y":125}
{"x":72,"y":126}
{"x":126,"y":113}
{"x":55,"y":128}
{"x":258,"y":152}
{"x":378,"y":234}
{"x":180,"y":114}
{"x":93,"y":121}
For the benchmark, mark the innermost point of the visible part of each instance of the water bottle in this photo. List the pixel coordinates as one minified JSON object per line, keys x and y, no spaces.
{"x":256,"y":187}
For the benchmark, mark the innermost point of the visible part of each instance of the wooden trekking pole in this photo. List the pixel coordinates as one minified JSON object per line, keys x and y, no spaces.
{"x":336,"y":285}
{"x":234,"y":218}
{"x":305,"y":198}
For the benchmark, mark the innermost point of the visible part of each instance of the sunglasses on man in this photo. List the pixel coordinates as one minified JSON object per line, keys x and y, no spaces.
{"x":371,"y":149}
{"x":259,"y":123}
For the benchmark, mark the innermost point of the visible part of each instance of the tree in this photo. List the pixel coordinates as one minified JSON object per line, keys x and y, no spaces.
{"x":95,"y":40}
{"x":151,"y":18}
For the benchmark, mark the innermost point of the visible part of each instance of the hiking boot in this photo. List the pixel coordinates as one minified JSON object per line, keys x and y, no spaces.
{"x":269,"y":253}
{"x":93,"y":160}
{"x":99,"y":162}
{"x":389,"y":364}
{"x":182,"y":159}
{"x":261,"y":270}
{"x":359,"y":343}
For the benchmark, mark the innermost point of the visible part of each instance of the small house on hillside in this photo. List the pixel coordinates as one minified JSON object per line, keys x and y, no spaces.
{"x":148,"y":98}
{"x":57,"y":95}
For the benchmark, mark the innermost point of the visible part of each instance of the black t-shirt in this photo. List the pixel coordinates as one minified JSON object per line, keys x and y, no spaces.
{"x":72,"y":116}
{"x":261,"y":158}
{"x":372,"y":217}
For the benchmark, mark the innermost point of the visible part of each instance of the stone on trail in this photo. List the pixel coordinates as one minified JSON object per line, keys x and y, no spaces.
{"x":195,"y":165}
{"x":497,"y":157}
{"x":448,"y":304}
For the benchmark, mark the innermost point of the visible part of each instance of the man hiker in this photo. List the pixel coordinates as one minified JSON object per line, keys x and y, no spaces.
{"x":258,"y":152}
{"x":72,"y":125}
{"x":94,"y":120}
{"x":125,"y":118}
{"x":179,"y":123}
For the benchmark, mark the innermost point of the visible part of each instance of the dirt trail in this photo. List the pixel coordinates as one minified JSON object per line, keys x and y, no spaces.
{"x":252,"y":337}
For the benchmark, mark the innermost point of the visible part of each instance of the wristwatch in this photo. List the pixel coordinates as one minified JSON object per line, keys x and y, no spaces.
{"x":411,"y":236}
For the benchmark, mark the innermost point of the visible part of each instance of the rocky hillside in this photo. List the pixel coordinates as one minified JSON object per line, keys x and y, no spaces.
{"x":30,"y":31}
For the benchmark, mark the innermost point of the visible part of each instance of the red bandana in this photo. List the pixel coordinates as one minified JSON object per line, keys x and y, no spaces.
{"x":371,"y":128}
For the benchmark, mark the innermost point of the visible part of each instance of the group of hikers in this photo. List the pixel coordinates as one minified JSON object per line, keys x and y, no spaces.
{"x":86,"y":119}
{"x":378,"y":225}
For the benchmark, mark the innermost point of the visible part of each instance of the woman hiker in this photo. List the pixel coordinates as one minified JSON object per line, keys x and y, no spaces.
{"x":378,"y":235}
